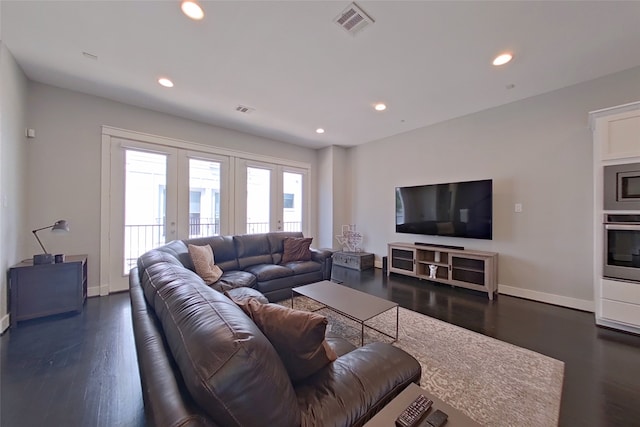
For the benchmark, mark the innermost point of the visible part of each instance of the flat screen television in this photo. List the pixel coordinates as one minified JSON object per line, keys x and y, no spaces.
{"x":457,"y":209}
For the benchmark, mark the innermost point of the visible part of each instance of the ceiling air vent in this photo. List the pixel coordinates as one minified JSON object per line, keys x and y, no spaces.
{"x":353,"y":19}
{"x":245,"y":109}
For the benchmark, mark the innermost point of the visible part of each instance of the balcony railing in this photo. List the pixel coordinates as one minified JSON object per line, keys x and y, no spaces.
{"x":138,"y":239}
{"x":292,"y":226}
{"x":263,"y":227}
{"x":202,"y":227}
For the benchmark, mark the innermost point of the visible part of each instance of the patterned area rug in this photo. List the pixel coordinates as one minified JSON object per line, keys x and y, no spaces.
{"x":493,"y":382}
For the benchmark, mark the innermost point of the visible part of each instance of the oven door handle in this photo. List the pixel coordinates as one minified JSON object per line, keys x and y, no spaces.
{"x":622,"y":227}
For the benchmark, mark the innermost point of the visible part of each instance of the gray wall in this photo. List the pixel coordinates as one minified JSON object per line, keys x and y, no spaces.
{"x":13,"y":167}
{"x":65,"y":161}
{"x":538,"y":152}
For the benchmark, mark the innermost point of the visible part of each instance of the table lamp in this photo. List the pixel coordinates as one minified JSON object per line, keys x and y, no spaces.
{"x":46,"y":257}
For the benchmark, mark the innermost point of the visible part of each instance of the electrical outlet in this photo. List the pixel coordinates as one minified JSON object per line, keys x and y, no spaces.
{"x":518,"y":207}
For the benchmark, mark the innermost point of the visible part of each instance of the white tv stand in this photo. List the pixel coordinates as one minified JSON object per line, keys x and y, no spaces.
{"x":470,"y":269}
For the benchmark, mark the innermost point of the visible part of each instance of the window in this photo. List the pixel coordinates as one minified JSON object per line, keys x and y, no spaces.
{"x":288,"y":201}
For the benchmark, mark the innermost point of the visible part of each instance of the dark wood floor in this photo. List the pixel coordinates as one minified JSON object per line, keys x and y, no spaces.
{"x":81,"y":370}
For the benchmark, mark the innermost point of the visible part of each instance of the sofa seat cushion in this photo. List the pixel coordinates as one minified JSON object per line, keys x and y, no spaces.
{"x":234,"y":279}
{"x":338,"y":344}
{"x":266,"y":272}
{"x":356,"y":386}
{"x":244,"y":294}
{"x":302,"y":267}
{"x":227,"y":363}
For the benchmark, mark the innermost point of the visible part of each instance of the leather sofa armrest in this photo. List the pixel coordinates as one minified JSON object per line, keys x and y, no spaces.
{"x":324,"y":257}
{"x":320,"y":255}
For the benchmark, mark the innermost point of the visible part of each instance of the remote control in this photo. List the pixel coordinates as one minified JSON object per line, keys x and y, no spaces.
{"x":414,"y":413}
{"x":435,"y":419}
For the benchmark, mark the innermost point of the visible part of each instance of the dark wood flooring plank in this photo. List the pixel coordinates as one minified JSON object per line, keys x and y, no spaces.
{"x":72,"y":370}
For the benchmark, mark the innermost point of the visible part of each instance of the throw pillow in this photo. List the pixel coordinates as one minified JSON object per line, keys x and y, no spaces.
{"x":298,"y":337}
{"x":202,"y":258}
{"x":296,"y":249}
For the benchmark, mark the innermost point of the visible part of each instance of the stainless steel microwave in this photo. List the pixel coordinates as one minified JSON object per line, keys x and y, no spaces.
{"x":622,"y":187}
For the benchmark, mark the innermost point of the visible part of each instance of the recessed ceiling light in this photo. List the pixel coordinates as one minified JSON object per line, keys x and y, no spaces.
{"x":319,"y":130}
{"x":502,"y":59}
{"x":380,"y":106}
{"x":165,"y":82}
{"x":192,"y":9}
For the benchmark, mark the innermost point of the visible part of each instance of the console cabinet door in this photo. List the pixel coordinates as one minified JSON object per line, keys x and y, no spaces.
{"x":402,"y":260}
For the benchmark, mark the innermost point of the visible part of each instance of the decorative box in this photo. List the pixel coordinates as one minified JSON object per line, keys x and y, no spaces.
{"x":354,"y":260}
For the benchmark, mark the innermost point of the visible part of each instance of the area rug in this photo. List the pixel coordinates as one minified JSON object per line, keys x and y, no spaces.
{"x":493,"y":382}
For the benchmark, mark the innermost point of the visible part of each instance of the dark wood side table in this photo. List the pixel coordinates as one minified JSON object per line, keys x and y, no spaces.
{"x":43,"y":290}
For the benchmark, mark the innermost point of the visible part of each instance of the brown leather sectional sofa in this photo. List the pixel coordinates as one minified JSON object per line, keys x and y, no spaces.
{"x":253,"y":260}
{"x":203,"y":362}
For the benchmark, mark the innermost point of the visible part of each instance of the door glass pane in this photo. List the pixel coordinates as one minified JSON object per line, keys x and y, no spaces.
{"x":145,"y":204}
{"x":292,"y":203}
{"x":204,"y":198}
{"x":258,"y":195}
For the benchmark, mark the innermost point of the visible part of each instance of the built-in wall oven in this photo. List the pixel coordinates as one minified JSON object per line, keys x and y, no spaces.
{"x":622,"y":246}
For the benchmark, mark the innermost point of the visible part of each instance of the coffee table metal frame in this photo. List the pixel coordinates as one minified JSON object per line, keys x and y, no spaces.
{"x":350,"y":303}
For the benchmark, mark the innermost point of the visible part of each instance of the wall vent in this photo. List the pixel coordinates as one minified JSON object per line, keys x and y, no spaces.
{"x":353,"y":19}
{"x":244,"y":109}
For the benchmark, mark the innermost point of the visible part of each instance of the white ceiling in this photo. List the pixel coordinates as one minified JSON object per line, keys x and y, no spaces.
{"x":429,"y":61}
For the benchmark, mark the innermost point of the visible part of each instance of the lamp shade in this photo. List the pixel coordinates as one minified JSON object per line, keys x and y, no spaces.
{"x":61,"y":225}
{"x":46,"y":258}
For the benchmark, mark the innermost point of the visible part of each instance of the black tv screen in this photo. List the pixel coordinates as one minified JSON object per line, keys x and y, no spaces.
{"x":457,"y":209}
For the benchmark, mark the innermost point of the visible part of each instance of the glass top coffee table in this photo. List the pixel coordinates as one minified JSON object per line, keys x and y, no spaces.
{"x":353,"y":304}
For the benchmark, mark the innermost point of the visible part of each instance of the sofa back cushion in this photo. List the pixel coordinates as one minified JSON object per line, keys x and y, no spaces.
{"x":229,"y":367}
{"x":252,"y":249}
{"x":224,"y":250}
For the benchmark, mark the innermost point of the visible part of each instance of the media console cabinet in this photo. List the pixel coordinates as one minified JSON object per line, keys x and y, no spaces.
{"x":469,"y":269}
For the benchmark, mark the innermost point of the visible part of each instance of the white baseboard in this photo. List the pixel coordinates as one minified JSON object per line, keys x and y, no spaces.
{"x":98,"y":291}
{"x":579,"y":304}
{"x":5,"y":322}
{"x":617,"y":325}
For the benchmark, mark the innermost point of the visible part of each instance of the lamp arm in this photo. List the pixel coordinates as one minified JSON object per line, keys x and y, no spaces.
{"x":38,"y":239}
{"x":43,"y":228}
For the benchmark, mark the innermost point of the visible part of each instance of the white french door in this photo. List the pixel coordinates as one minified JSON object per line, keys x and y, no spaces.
{"x":143,"y":211}
{"x":160,"y":194}
{"x":157,"y":189}
{"x":270,"y":197}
